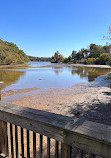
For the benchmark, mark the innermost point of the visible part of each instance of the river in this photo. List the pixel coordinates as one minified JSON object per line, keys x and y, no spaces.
{"x":43,"y":77}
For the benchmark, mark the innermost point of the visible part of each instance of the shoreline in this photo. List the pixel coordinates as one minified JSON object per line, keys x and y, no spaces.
{"x":98,"y":66}
{"x":90,"y":100}
{"x":58,"y":65}
{"x":93,"y":102}
{"x":54,"y":65}
{"x":12,"y":66}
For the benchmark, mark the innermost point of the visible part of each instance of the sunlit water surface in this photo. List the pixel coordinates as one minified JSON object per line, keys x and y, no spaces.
{"x":48,"y":77}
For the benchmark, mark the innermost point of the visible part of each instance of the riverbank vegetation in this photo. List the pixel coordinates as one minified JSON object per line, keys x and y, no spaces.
{"x":32,"y":58}
{"x":95,"y":54}
{"x":11,"y":54}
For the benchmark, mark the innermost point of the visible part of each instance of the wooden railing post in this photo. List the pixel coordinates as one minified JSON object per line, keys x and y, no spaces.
{"x":3,"y":131}
{"x":64,"y":150}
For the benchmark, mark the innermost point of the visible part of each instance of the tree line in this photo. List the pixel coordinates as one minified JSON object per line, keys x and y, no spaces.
{"x":11,"y":54}
{"x":95,"y":54}
{"x":32,"y":58}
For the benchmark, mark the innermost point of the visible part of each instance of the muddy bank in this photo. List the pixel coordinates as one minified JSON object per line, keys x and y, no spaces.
{"x":58,"y":65}
{"x":17,"y":91}
{"x":91,"y":100}
{"x":13,"y":66}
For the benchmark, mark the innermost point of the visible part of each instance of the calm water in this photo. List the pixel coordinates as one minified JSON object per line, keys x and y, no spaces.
{"x":43,"y":78}
{"x":36,"y":64}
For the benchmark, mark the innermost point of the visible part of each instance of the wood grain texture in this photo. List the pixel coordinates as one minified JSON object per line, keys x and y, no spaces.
{"x":3,"y":138}
{"x":89,"y":136}
{"x":64,"y":150}
{"x":56,"y":149}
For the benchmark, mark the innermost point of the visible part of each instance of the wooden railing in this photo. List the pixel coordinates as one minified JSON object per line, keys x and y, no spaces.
{"x":24,"y":132}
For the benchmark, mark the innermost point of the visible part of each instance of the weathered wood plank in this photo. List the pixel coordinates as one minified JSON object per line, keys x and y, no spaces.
{"x":34,"y":145}
{"x":11,"y":140}
{"x":31,"y":121}
{"x":3,"y":138}
{"x":41,"y":146}
{"x":28,"y":144}
{"x":89,"y":145}
{"x":56,"y":149}
{"x":64,"y":150}
{"x":16,"y":141}
{"x":69,"y":151}
{"x":6,"y":139}
{"x":48,"y":147}
{"x":88,"y":136}
{"x":22,"y":143}
{"x":59,"y":121}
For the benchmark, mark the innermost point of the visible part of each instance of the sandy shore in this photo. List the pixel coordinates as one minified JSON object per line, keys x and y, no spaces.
{"x":58,"y":65}
{"x":12,"y":66}
{"x":76,"y":65}
{"x":84,"y":65}
{"x":91,"y":100}
{"x":17,"y":91}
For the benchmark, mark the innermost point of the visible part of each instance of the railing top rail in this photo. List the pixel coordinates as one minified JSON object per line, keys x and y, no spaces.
{"x":80,"y":126}
{"x":86,"y":135}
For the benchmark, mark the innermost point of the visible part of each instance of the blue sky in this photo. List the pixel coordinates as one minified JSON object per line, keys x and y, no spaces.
{"x":41,"y":27}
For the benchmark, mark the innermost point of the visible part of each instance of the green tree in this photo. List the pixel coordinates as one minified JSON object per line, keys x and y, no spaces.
{"x":95,"y":50}
{"x":10,"y":54}
{"x":73,"y":55}
{"x":102,"y":59}
{"x":57,"y":58}
{"x":69,"y":58}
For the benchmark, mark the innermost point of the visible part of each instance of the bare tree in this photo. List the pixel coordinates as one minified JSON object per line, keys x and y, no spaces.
{"x":108,"y":35}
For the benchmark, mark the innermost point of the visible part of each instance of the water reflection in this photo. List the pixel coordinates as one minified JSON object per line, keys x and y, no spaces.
{"x":89,"y":72}
{"x":58,"y":70}
{"x":9,"y":76}
{"x":49,"y":77}
{"x":83,"y":72}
